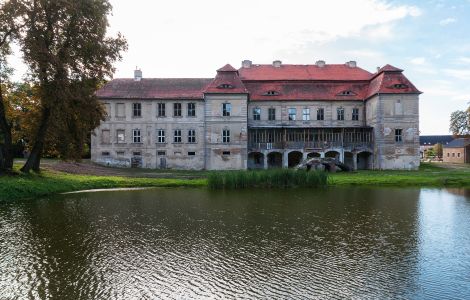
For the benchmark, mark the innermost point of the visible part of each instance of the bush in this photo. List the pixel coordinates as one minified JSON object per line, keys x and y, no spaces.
{"x":276,"y":178}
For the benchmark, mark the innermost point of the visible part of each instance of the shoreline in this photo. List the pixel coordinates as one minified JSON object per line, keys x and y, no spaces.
{"x":50,"y":182}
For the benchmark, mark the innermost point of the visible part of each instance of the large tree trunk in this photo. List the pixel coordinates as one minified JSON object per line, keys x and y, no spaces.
{"x":6,"y":157}
{"x":34,"y":158}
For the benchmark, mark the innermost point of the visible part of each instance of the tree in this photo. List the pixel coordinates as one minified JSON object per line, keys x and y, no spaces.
{"x":438,"y":150}
{"x":69,"y":55}
{"x":459,"y":122}
{"x":11,"y":22}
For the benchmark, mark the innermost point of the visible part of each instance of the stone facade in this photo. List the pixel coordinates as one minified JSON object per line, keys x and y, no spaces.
{"x":261,"y":116}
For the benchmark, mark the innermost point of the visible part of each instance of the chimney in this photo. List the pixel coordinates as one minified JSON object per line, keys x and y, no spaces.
{"x":277,"y":63}
{"x":351,"y":64}
{"x":137,"y":74}
{"x":378,"y":69}
{"x":320,"y":63}
{"x":246,"y":64}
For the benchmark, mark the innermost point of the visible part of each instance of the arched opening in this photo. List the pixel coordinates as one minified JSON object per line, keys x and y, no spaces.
{"x":275,"y":160}
{"x":313,"y":155}
{"x":294,"y":158}
{"x":349,"y":160}
{"x":255,"y":160}
{"x":332,"y":154}
{"x":364,"y":161}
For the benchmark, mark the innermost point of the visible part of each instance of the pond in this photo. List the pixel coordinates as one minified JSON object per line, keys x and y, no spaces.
{"x":272,"y":244}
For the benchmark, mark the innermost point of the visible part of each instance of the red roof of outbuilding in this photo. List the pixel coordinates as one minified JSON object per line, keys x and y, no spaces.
{"x":154,"y":88}
{"x":336,"y":72}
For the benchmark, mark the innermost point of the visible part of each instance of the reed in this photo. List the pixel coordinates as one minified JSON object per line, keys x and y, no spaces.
{"x":276,"y":178}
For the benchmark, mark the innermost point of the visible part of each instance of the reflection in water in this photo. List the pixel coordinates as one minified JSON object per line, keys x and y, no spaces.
{"x":194,"y":243}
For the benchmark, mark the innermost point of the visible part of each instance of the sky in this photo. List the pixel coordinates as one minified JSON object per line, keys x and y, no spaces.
{"x":429,"y":39}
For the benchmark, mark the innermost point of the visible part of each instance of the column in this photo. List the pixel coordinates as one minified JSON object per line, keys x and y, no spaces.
{"x":322,"y":154}
{"x":304,"y":156}
{"x":285,"y":160}
{"x":265,"y":160}
{"x":354,"y":161}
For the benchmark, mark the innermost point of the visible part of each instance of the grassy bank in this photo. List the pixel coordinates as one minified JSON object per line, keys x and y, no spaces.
{"x":39,"y":185}
{"x":428,"y":175}
{"x":278,"y":178}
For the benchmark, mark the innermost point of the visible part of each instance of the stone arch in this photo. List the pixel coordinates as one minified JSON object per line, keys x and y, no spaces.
{"x":332,"y":154}
{"x":274,"y":160}
{"x":294,"y":158}
{"x":313,"y":155}
{"x":255,"y":160}
{"x":364,"y":160}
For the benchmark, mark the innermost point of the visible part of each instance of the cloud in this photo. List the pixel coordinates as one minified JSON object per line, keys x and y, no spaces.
{"x":465,"y":60}
{"x":418,"y":61}
{"x":463,"y":74}
{"x":447,"y":21}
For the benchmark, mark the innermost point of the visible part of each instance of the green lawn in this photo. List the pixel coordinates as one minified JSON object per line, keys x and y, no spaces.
{"x":49,"y":182}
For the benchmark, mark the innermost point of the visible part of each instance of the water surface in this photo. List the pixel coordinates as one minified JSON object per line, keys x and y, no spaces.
{"x":195,"y":243}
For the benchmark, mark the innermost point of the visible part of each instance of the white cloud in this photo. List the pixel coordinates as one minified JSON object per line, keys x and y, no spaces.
{"x":418,"y":61}
{"x":447,"y":21}
{"x":465,"y":60}
{"x":463,"y":74}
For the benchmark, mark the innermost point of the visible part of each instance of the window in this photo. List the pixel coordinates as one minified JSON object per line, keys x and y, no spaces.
{"x":120,"y":153}
{"x":107,"y":108}
{"x":458,"y":154}
{"x":161,"y":153}
{"x":320,"y":114}
{"x":192,"y":136}
{"x":306,"y":114}
{"x":292,"y":114}
{"x":161,"y":110}
{"x":137,"y":110}
{"x":271,"y":93}
{"x":191,"y":109}
{"x":105,"y":153}
{"x":398,"y":135}
{"x":177,"y":109}
{"x":226,"y":136}
{"x":340,"y":114}
{"x":226,"y":153}
{"x":136,"y":153}
{"x":448,"y":154}
{"x":355,"y":114}
{"x":136,"y":137}
{"x":256,"y":114}
{"x":121,"y":135}
{"x":271,"y":114}
{"x":105,"y":137}
{"x":191,"y":153}
{"x":120,"y":110}
{"x":177,"y":136}
{"x":160,"y":136}
{"x":453,"y":154}
{"x":225,"y":86}
{"x":398,"y":108}
{"x":226,"y":109}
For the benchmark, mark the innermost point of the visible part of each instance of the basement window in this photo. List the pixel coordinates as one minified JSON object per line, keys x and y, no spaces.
{"x":226,"y":153}
{"x":105,"y":153}
{"x":191,"y":153}
{"x":225,"y":86}
{"x":120,"y":153}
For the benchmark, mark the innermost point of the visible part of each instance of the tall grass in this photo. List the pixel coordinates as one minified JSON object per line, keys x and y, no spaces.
{"x":282,"y":178}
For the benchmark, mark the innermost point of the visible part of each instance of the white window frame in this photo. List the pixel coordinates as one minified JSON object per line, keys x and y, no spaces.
{"x":161,"y":109}
{"x":191,"y":109}
{"x":257,"y":114}
{"x":177,"y":136}
{"x":137,"y":110}
{"x":340,"y":114}
{"x":292,"y":112}
{"x":161,"y":139}
{"x":226,"y":136}
{"x":136,"y":136}
{"x":271,"y":114}
{"x":118,"y":133}
{"x":177,"y":107}
{"x":306,"y":114}
{"x":191,"y":136}
{"x":226,"y":109}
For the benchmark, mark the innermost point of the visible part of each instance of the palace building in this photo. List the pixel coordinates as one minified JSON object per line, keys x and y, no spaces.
{"x":261,"y":116}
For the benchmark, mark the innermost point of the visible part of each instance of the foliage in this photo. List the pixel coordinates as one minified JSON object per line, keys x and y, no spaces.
{"x":65,"y":46}
{"x":459,"y":122}
{"x":276,"y":178}
{"x":438,"y":150}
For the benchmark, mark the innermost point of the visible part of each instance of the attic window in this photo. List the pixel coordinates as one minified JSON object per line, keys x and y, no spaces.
{"x":347,"y":93}
{"x":271,"y":93}
{"x":225,"y":86}
{"x":400,"y":86}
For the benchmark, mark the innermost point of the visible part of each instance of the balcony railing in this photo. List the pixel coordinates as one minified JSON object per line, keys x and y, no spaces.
{"x":310,"y":145}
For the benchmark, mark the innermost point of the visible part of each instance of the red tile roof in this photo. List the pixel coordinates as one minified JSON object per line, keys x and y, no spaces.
{"x":287,"y":82}
{"x":155,"y":88}
{"x":226,"y":81}
{"x":334,"y":72}
{"x":306,"y":90}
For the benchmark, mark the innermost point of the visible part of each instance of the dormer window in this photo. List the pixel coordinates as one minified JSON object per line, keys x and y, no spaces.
{"x":271,"y":93}
{"x":225,"y":86}
{"x":347,"y":93}
{"x":400,"y":86}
